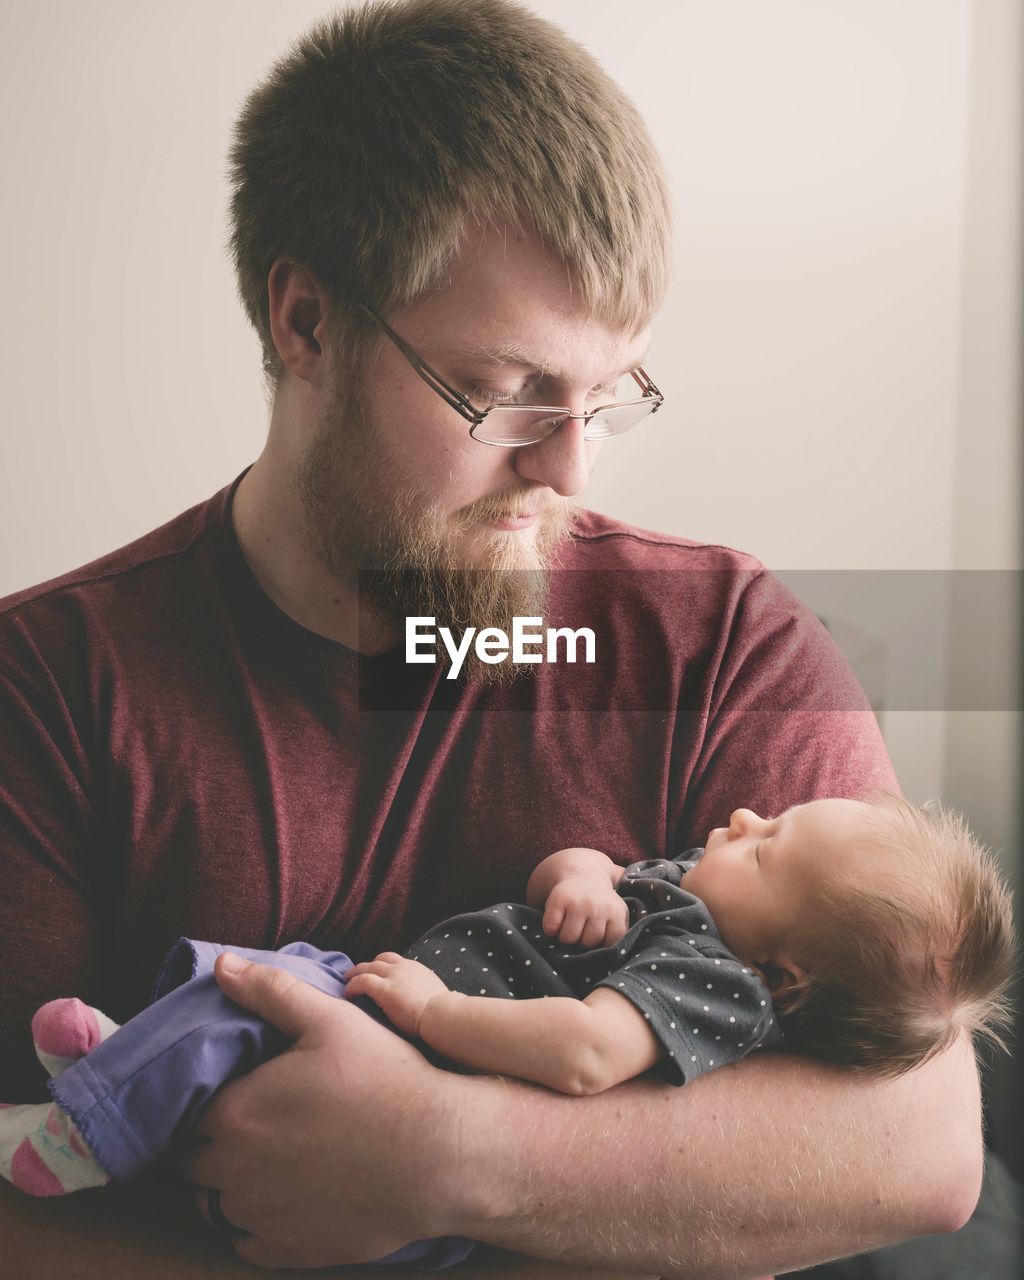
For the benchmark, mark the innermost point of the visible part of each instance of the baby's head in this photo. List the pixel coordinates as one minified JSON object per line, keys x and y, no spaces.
{"x":881,"y":929}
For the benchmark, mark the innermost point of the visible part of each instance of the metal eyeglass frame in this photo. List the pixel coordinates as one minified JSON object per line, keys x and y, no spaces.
{"x":475,"y":417}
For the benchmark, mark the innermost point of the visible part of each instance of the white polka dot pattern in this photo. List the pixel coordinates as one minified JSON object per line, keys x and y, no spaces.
{"x":667,"y":924}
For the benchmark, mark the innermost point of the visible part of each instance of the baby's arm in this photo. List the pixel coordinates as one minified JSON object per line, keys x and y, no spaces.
{"x":576,"y":889}
{"x":574,"y":1046}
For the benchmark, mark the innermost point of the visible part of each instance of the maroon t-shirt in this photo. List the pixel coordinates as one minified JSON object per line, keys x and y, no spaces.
{"x":179,"y":757}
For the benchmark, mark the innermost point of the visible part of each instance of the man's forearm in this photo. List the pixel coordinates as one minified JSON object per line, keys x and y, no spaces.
{"x":769,"y":1165}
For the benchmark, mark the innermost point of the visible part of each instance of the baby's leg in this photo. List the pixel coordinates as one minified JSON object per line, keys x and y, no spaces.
{"x":41,"y":1150}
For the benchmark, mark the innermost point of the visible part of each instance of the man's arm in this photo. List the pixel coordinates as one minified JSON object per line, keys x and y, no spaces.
{"x":771,"y":1164}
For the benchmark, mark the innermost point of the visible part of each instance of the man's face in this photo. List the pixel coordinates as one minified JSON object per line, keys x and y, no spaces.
{"x":391,"y":476}
{"x":758,"y":876}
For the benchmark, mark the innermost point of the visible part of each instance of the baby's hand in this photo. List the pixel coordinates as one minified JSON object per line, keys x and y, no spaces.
{"x":403,"y":988}
{"x":586,"y":910}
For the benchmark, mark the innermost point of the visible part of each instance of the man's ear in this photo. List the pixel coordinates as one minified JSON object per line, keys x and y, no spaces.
{"x":786,"y":980}
{"x":297,"y":312}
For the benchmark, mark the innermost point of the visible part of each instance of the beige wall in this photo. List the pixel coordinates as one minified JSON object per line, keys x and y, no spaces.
{"x":981,"y":769}
{"x":840,"y":347}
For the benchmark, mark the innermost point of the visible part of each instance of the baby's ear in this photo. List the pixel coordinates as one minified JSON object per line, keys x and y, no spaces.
{"x":786,"y":980}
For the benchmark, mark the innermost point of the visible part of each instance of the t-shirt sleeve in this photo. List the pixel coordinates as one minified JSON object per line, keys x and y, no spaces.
{"x":705,"y":1007}
{"x":787,"y":720}
{"x":48,"y":930}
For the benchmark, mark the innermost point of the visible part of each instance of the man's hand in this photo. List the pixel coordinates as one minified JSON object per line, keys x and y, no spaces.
{"x":585,"y":909}
{"x":403,"y":988}
{"x":341,"y":1150}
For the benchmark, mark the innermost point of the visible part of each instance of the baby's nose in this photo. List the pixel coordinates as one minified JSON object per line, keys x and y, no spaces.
{"x":742,"y":820}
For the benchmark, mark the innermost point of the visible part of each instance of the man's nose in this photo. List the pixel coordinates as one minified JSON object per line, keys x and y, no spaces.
{"x":562,"y":461}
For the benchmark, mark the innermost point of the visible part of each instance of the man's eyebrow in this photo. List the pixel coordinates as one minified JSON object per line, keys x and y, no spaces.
{"x":505,"y":353}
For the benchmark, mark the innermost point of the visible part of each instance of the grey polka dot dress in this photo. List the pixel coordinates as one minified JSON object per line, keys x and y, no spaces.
{"x":705,"y":1007}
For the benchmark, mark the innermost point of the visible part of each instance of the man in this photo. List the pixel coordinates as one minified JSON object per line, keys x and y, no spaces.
{"x":440,"y":208}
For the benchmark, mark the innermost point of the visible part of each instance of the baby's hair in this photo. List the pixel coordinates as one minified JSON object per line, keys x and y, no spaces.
{"x":904,"y":950}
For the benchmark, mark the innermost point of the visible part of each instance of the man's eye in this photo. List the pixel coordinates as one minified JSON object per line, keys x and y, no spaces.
{"x":490,"y":395}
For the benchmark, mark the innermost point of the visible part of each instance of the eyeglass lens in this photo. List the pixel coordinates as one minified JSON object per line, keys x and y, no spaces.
{"x":517,"y":425}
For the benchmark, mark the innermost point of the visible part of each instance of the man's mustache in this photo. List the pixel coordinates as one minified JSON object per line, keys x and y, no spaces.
{"x":509,"y":506}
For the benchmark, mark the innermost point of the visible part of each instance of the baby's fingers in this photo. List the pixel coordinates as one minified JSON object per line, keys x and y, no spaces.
{"x":593,"y":930}
{"x":554,"y":916}
{"x":572,"y":928}
{"x":618,"y":926}
{"x":364,"y":984}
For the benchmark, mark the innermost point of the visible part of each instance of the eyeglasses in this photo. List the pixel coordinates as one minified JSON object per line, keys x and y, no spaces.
{"x":512,"y":426}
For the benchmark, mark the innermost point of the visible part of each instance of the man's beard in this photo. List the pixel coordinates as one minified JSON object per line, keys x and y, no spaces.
{"x":364,"y":516}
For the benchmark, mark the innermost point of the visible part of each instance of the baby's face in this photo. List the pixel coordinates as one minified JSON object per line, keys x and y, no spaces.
{"x":759,"y":875}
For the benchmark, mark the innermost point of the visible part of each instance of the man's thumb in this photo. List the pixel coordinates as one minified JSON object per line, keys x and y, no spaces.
{"x":275,"y":995}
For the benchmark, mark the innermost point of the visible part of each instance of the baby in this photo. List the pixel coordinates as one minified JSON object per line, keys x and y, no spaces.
{"x":874,"y":933}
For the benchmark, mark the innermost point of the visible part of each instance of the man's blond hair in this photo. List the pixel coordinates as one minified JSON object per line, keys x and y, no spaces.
{"x":903,"y":960}
{"x":387,"y":129}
